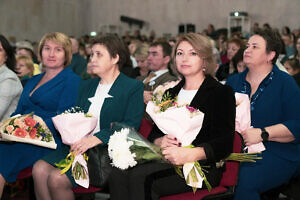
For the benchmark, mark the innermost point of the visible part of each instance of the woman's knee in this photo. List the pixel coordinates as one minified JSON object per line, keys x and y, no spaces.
{"x":40,"y":169}
{"x":58,"y":181}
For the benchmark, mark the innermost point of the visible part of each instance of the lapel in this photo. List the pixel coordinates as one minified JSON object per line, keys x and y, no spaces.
{"x":88,"y":91}
{"x":114,"y":91}
{"x":160,"y":80}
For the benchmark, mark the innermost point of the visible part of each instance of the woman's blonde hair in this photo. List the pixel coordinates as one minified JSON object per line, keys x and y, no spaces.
{"x":28,"y":63}
{"x":60,"y":39}
{"x":142,"y":51}
{"x":202,"y":45}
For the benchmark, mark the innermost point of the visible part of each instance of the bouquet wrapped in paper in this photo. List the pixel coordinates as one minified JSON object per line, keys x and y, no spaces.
{"x":243,"y":120}
{"x":73,"y":125}
{"x":184,"y":122}
{"x":127,"y":148}
{"x":27,"y":128}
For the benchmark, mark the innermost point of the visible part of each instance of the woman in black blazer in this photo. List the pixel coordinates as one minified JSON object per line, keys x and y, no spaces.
{"x":193,"y":58}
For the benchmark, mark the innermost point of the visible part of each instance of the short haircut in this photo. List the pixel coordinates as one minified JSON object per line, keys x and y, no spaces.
{"x":237,"y":41}
{"x":238,"y":57}
{"x":115,"y":46}
{"x":166,"y":47}
{"x":60,"y":39}
{"x":28,"y":63}
{"x":203,"y":46}
{"x":273,"y":42}
{"x":142,"y":51}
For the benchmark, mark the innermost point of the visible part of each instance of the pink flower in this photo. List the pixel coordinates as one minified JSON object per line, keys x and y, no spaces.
{"x":18,"y":123}
{"x":30,"y":122}
{"x":20,"y":132}
{"x":10,"y":128}
{"x":32,"y":133}
{"x":191,"y":109}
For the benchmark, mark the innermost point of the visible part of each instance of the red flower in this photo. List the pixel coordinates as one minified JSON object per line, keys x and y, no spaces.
{"x":32,"y":133}
{"x":20,"y":132}
{"x":30,"y":122}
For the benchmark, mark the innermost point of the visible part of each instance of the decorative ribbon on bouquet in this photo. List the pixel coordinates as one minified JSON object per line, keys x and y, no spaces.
{"x":73,"y":127}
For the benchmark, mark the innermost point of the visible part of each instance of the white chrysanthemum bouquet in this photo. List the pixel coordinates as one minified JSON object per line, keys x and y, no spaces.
{"x":127,"y":148}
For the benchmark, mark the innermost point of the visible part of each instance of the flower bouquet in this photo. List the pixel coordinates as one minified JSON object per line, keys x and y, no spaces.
{"x":160,"y":90}
{"x":178,"y":120}
{"x":27,"y":128}
{"x":184,"y":122}
{"x":127,"y":148}
{"x":73,"y":125}
{"x":243,"y":120}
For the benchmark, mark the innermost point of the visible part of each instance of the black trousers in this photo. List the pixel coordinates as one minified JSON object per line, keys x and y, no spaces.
{"x":151,"y":181}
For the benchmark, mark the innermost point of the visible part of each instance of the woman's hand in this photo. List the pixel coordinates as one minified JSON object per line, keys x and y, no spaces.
{"x":147,"y":96}
{"x":84,"y":144}
{"x":252,"y":136}
{"x":182,"y":155}
{"x":167,"y":141}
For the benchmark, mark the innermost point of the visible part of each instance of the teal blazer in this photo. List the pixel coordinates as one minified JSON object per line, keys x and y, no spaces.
{"x":126,"y":105}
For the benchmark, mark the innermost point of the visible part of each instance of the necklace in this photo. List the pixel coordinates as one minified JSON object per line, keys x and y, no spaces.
{"x":260,"y":89}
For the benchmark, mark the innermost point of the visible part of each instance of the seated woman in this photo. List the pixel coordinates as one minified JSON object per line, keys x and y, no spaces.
{"x":193,"y":57}
{"x":237,"y":61}
{"x":141,"y":55}
{"x":113,"y":97}
{"x":275,"y":119}
{"x":46,"y":95}
{"x":292,"y":66}
{"x":234,"y":44}
{"x":24,"y":68}
{"x":10,"y":85}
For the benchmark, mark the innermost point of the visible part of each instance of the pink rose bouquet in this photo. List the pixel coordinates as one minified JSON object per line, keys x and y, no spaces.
{"x":27,"y":128}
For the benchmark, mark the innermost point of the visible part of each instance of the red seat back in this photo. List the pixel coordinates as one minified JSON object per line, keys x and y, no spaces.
{"x":145,"y":128}
{"x":230,"y":175}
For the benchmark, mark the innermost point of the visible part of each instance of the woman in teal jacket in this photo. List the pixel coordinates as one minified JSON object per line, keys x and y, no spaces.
{"x":113,"y":97}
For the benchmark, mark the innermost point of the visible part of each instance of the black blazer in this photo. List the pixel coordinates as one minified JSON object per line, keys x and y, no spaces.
{"x":217,"y":102}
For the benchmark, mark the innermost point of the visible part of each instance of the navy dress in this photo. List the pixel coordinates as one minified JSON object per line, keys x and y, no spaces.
{"x":48,"y":100}
{"x":276,"y":101}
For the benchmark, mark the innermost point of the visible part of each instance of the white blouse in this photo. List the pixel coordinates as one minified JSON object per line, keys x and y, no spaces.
{"x":186,"y":96}
{"x":97,"y":102}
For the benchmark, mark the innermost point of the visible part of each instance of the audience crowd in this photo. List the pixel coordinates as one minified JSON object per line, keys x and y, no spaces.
{"x":264,"y":65}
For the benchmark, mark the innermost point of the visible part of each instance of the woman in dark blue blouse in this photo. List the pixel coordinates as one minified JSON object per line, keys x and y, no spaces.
{"x":46,"y":94}
{"x":275,"y":117}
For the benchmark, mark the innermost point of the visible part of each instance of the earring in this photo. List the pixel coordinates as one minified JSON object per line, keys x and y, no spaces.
{"x":204,"y":69}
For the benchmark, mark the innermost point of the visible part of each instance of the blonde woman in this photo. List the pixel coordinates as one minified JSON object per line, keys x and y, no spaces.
{"x":46,"y":94}
{"x":24,"y":68}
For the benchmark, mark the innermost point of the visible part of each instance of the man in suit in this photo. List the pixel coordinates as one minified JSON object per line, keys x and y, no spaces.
{"x":159,"y":56}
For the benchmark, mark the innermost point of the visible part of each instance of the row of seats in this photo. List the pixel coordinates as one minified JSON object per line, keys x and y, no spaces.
{"x":225,"y":189}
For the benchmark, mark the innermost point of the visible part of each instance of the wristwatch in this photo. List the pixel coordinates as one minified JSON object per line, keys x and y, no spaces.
{"x":264,"y":135}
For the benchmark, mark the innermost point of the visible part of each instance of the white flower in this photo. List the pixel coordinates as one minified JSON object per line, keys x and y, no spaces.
{"x":119,"y":150}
